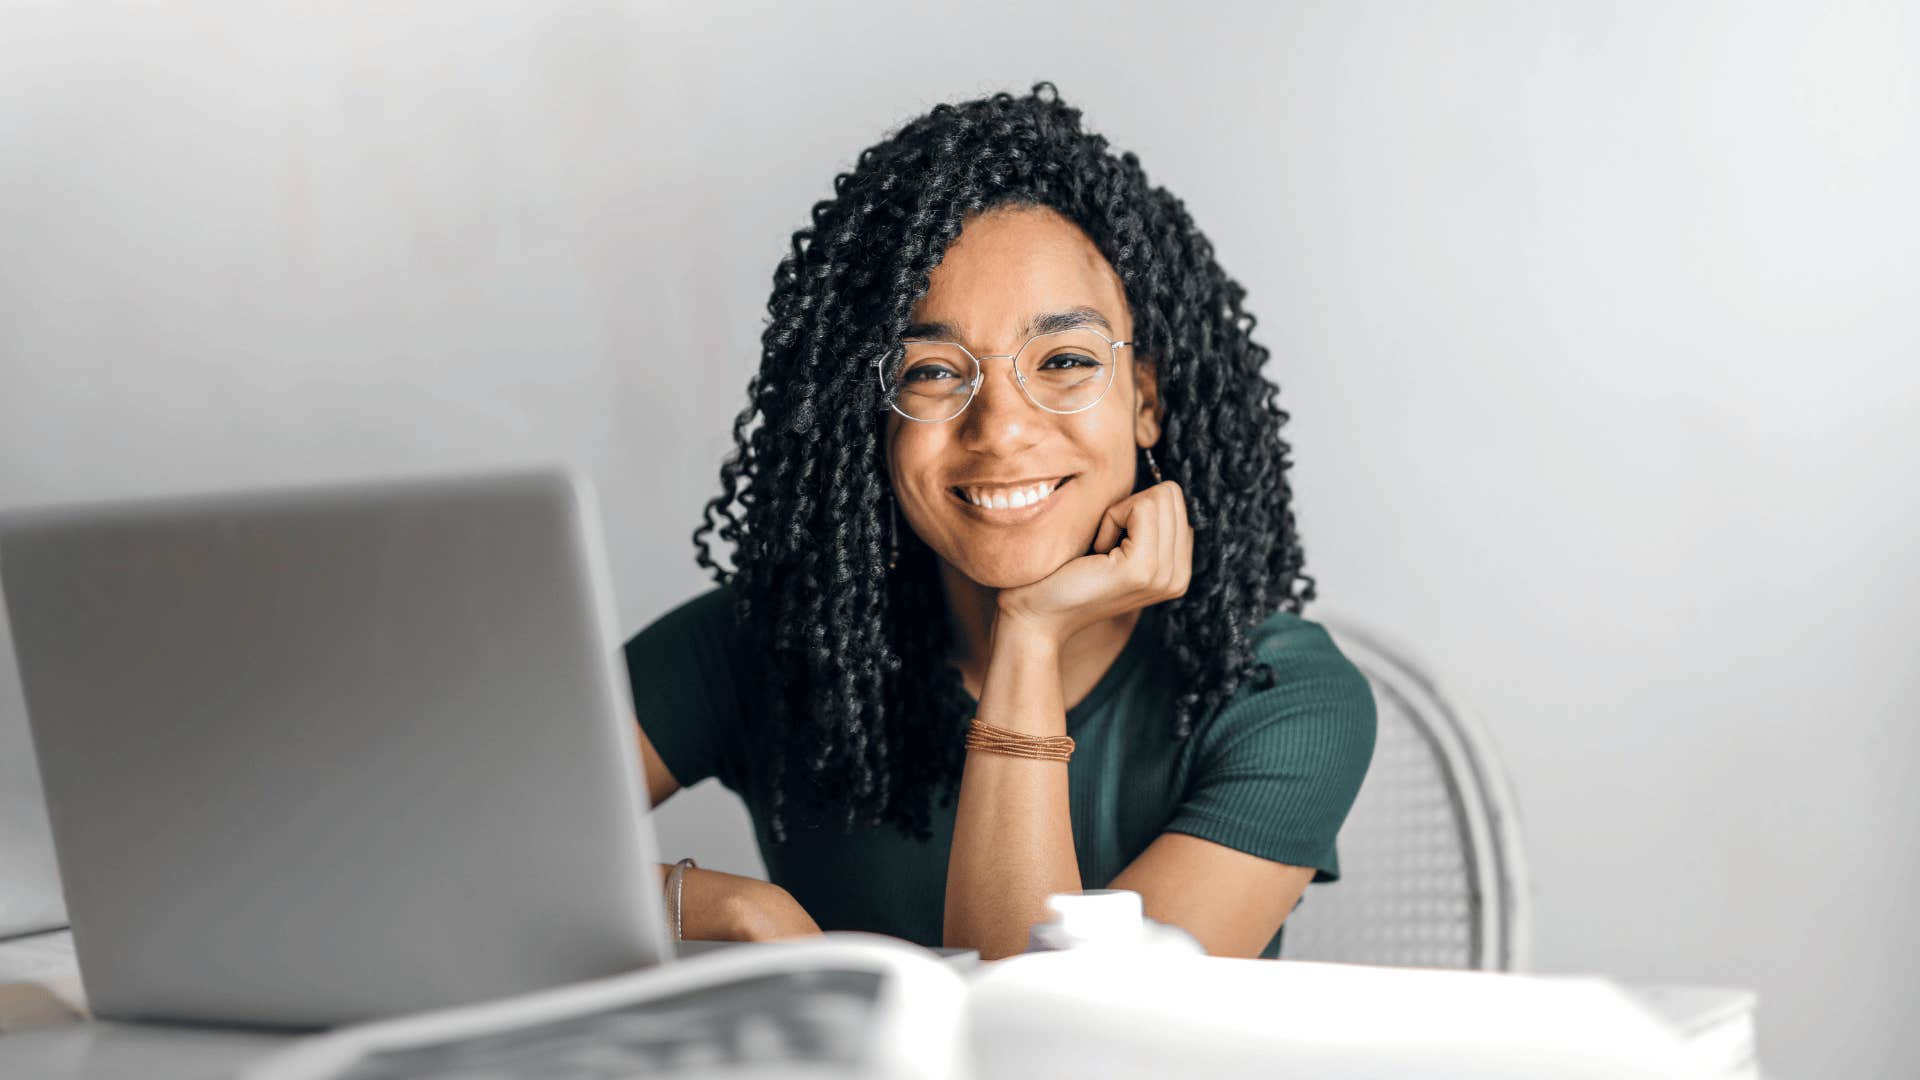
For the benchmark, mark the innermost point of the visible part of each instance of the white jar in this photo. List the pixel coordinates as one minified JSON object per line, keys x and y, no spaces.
{"x":1105,"y":918}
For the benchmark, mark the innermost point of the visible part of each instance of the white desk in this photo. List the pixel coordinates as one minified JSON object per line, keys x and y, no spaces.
{"x":1719,"y":1021}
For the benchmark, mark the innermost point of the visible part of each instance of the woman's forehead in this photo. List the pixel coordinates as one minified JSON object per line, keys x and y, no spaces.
{"x":1013,"y":272}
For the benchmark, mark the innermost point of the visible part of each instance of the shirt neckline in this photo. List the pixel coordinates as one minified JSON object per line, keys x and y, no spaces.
{"x":1109,"y":682}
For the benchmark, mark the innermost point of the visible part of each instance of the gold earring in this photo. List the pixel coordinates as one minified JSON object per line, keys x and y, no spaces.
{"x":1152,"y":467}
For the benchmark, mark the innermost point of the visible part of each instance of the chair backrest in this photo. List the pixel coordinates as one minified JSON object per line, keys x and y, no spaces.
{"x":1432,"y":870}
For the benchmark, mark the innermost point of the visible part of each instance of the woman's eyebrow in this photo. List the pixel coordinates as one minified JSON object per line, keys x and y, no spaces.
{"x":1055,"y":321}
{"x":1051,"y":322}
{"x":932,"y":331}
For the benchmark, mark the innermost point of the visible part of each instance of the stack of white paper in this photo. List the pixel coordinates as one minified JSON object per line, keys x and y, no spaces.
{"x":1716,"y":1023}
{"x":1115,"y":1014}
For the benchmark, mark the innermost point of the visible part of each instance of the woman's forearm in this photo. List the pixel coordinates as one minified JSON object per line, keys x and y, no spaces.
{"x":716,"y":906}
{"x":1012,"y":833}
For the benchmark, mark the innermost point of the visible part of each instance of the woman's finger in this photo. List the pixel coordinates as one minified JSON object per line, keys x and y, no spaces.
{"x":1183,"y":547}
{"x":1170,"y":544}
{"x":1141,"y":546}
{"x":1152,"y":525}
{"x":1112,"y":524}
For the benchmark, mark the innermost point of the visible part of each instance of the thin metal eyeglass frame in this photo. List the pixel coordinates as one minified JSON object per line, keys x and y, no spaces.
{"x":980,"y":373}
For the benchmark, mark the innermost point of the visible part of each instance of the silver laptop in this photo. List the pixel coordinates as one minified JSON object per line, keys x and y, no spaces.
{"x":329,"y":755}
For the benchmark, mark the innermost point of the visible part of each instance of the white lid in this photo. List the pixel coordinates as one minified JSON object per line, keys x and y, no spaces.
{"x":1099,"y":914}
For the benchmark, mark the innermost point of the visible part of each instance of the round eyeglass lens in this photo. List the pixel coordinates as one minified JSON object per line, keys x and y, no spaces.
{"x":1066,"y":372}
{"x":934,"y":380}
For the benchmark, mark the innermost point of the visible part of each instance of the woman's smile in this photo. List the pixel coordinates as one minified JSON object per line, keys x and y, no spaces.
{"x":1009,"y":504}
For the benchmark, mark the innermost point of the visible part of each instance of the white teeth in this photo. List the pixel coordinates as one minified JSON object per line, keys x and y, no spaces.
{"x":1008,"y":500}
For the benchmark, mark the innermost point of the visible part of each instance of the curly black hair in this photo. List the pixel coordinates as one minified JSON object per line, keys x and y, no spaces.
{"x":866,"y":714}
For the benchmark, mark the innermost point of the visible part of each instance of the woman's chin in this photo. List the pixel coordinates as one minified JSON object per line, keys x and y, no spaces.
{"x":1012,"y":573}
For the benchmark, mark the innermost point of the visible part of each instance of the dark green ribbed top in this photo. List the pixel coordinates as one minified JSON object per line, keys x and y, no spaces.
{"x":1273,"y":773}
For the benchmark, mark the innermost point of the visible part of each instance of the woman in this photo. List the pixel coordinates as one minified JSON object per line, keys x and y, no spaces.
{"x":1016,"y":479}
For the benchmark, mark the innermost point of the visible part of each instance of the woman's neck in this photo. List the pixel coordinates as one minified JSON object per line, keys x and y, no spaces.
{"x":1084,"y":657}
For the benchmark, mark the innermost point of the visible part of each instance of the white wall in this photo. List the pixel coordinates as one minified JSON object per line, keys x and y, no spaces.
{"x":1596,"y":322}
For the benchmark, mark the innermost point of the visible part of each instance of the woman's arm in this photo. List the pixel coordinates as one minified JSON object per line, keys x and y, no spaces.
{"x":1012,"y":838}
{"x":660,"y":782}
{"x":1012,"y":833}
{"x":716,"y":906}
{"x":1232,"y":902}
{"x":722,"y":907}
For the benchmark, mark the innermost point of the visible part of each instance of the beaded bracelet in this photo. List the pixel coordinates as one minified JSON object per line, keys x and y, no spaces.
{"x":998,"y":740}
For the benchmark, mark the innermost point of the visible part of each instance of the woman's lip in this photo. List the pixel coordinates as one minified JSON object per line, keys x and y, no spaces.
{"x":1011,"y":515}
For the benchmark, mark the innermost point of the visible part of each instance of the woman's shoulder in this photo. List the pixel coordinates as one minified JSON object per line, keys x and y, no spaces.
{"x":1275,"y":771}
{"x":688,"y":671}
{"x":709,"y":610}
{"x":699,"y":638}
{"x":1289,"y":640}
{"x":703,"y":624}
{"x":1308,"y":681}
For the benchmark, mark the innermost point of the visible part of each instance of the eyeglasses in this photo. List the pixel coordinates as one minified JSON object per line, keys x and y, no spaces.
{"x":1063,"y":372}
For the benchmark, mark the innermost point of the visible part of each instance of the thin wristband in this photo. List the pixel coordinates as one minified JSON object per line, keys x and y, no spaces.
{"x":998,"y":740}
{"x":675,"y":879}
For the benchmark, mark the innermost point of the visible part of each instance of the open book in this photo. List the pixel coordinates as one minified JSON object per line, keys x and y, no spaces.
{"x":861,"y":1005}
{"x":839,"y":1005}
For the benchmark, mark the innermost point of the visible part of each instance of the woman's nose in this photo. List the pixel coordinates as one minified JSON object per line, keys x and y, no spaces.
{"x":1000,"y":410}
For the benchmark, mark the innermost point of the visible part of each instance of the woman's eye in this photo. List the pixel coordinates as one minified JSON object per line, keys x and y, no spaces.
{"x":1070,"y":360}
{"x":927,"y":373}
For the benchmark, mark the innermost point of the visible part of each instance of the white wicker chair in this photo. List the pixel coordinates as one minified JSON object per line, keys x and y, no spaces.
{"x":1432,"y":870}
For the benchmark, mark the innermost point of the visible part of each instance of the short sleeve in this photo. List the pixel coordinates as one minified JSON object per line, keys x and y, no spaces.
{"x":683,"y":669}
{"x":1276,"y":770}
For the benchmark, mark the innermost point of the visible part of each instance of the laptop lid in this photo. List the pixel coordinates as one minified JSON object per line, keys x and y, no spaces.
{"x":29,"y":885}
{"x":320,"y":756}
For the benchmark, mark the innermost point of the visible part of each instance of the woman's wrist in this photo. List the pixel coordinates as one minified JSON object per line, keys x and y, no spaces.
{"x":1018,"y":636}
{"x":1021,"y":691}
{"x":675,"y":889}
{"x":717,"y":906}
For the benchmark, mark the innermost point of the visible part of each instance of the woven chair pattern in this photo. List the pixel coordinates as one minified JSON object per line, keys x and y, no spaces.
{"x":1432,"y":872}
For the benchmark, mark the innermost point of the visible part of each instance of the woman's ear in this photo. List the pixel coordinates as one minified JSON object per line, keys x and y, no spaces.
{"x":1147,"y":410}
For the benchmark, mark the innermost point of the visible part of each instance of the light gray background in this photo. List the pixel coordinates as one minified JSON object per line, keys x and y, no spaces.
{"x":1596,"y":321}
